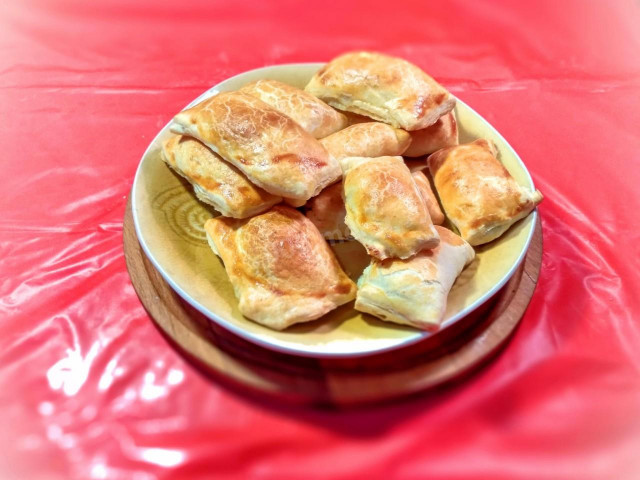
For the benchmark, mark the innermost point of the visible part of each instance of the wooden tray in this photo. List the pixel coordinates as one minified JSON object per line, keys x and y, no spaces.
{"x":440,"y":358}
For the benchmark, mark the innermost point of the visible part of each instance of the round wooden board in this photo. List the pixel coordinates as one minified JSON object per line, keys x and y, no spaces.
{"x":438,"y":359}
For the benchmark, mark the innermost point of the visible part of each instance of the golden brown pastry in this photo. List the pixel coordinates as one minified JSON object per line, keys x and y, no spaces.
{"x":442,"y":134}
{"x":437,"y":217}
{"x":387,"y":89}
{"x":477,"y":193}
{"x":282,"y":270}
{"x":327,"y":213}
{"x":272,"y":150}
{"x":414,"y":291}
{"x":327,"y":210}
{"x":372,"y":139}
{"x":311,"y":113}
{"x":385,"y":210}
{"x":215,"y":182}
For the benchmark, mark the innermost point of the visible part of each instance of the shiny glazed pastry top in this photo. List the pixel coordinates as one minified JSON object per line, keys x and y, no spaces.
{"x":215,"y":182}
{"x":478,"y":193}
{"x":385,"y":88}
{"x":272,"y":150}
{"x":311,"y":113}
{"x":282,"y":270}
{"x":385,"y":210}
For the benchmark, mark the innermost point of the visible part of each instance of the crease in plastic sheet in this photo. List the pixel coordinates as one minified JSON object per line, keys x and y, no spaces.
{"x":89,"y":388}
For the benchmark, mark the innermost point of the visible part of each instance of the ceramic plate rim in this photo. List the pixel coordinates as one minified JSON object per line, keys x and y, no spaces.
{"x":309,"y":352}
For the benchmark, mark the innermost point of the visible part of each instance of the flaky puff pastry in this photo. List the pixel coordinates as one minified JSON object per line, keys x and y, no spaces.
{"x":215,"y":182}
{"x":414,"y":291}
{"x":327,"y":213}
{"x":371,"y":139}
{"x":272,"y":150}
{"x":435,"y":212}
{"x":387,"y":89}
{"x":385,"y":210}
{"x":442,"y":134}
{"x":282,"y":270}
{"x":311,"y":113}
{"x":478,"y":194}
{"x":327,"y":210}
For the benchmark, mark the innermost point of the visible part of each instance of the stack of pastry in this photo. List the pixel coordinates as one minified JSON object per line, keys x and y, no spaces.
{"x":290,"y":170}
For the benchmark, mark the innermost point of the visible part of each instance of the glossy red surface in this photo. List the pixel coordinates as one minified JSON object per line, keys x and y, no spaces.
{"x":90,"y":389}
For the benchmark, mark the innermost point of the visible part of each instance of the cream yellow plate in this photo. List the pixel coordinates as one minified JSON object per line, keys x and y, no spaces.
{"x":169,"y":224}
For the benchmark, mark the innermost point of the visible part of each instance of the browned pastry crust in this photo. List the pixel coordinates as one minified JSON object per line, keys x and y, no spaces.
{"x":442,"y":134}
{"x":477,"y":192}
{"x":282,"y":270}
{"x":387,"y":89}
{"x":327,"y":210}
{"x":272,"y":150}
{"x":385,"y":210}
{"x":215,"y":182}
{"x":437,"y":217}
{"x":414,"y":291}
{"x":327,"y":213}
{"x":311,"y":113}
{"x":371,"y":139}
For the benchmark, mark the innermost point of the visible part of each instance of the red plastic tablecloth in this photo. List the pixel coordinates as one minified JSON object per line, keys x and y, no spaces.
{"x":90,"y":389}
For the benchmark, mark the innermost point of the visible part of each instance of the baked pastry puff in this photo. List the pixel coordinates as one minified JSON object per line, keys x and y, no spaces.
{"x":387,"y":89}
{"x":384,"y":208}
{"x":282,"y":270}
{"x":272,"y":150}
{"x":422,"y":182}
{"x":477,"y":192}
{"x":215,"y":182}
{"x":311,"y":113}
{"x":442,"y":134}
{"x":327,"y":210}
{"x":327,"y":213}
{"x":414,"y":291}
{"x":371,"y":139}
